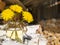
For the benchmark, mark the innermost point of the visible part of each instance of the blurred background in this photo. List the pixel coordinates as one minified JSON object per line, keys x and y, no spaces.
{"x":40,"y":9}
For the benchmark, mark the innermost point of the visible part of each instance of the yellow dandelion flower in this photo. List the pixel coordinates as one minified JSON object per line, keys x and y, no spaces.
{"x":16,"y":8}
{"x":7,"y":14}
{"x":27,"y":16}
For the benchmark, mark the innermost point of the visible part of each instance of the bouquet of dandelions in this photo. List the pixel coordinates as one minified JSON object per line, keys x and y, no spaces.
{"x":16,"y":13}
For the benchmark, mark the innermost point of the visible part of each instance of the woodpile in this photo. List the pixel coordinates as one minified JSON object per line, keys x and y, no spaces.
{"x":52,"y":25}
{"x":53,"y":38}
{"x":51,"y":31}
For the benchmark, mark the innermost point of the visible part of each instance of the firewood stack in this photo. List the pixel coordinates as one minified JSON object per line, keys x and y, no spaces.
{"x":52,"y":31}
{"x":53,"y":38}
{"x":52,"y":25}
